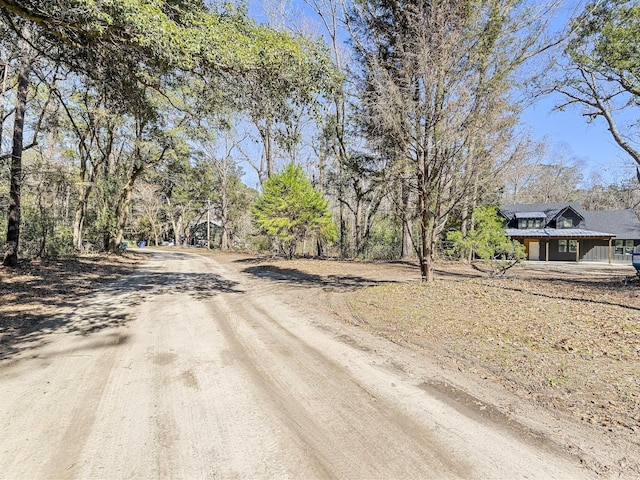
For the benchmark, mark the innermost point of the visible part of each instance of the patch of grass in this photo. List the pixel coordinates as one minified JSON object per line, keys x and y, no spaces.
{"x":567,"y":345}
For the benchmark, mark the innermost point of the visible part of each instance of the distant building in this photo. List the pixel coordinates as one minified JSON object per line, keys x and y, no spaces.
{"x":565,"y":232}
{"x":198,"y":231}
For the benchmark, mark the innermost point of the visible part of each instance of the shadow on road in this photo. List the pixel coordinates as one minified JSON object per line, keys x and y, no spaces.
{"x":299,"y":278}
{"x":108,"y":307}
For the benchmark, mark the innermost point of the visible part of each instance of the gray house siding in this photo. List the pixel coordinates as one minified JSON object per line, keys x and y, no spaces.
{"x":594,"y":251}
{"x":570,"y":215}
{"x":625,"y":257}
{"x":590,"y":251}
{"x":556,"y":255}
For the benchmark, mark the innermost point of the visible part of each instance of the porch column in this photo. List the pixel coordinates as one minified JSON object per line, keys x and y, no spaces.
{"x":610,"y":249}
{"x":547,"y":250}
{"x":577,"y":251}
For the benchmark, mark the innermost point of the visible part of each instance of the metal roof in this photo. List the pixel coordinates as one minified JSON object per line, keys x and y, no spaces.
{"x":551,"y":210}
{"x":623,"y":224}
{"x":556,"y":233}
{"x":530,"y":215}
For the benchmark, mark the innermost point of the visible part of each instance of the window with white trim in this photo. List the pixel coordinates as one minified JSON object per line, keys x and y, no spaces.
{"x":573,"y":246}
{"x":628,"y":247}
{"x":562,"y":246}
{"x":529,"y":223}
{"x":564,"y":223}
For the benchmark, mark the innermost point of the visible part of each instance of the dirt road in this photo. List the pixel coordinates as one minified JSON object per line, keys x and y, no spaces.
{"x":188,"y":369}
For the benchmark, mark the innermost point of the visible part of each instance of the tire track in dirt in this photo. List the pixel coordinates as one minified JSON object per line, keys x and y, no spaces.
{"x":350,"y":433}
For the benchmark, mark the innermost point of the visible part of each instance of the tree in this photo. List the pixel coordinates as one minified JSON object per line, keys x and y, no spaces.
{"x":86,"y":37}
{"x":229,"y":198}
{"x":335,"y":140}
{"x":13,"y":222}
{"x":436,"y":83}
{"x":488,"y":241}
{"x":289,"y":210}
{"x":603,"y":71}
{"x":538,"y":174}
{"x":277,"y":93}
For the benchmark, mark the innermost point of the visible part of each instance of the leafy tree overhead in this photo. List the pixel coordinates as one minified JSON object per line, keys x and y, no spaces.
{"x":289,"y":210}
{"x":134,"y":54}
{"x":603,"y":75}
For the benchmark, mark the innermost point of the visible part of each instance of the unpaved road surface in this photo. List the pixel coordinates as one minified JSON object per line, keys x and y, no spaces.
{"x":190,"y":369}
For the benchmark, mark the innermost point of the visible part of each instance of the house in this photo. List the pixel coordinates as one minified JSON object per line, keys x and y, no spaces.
{"x":565,"y":232}
{"x":201,"y":235}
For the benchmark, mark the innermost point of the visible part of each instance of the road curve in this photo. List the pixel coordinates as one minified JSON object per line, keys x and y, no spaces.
{"x":186,"y":369}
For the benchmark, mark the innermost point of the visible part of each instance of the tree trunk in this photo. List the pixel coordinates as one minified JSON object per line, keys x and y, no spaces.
{"x":266,"y":161}
{"x":426,"y":261}
{"x":358,"y":224}
{"x":80,"y":215}
{"x":224,"y":209}
{"x":122,"y":209}
{"x":13,"y":216}
{"x":408,"y":250}
{"x":5,"y":72}
{"x":44,"y":227}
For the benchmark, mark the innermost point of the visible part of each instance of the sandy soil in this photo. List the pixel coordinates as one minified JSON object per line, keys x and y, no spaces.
{"x":197,"y":367}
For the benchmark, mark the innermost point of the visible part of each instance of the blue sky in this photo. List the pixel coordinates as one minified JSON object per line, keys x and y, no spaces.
{"x":566,"y":131}
{"x":590,"y":143}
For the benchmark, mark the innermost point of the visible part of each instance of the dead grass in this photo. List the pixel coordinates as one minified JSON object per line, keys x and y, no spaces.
{"x":566,"y":345}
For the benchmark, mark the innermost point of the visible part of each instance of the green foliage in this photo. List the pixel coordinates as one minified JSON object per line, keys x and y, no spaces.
{"x":604,"y":73}
{"x":488,"y":241}
{"x":290,"y":210}
{"x":384,"y":241}
{"x":608,"y":38}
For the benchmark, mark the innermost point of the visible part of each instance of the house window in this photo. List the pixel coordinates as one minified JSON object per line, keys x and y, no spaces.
{"x":529,"y":223}
{"x":562,"y":246}
{"x":565,"y":223}
{"x":628,"y":247}
{"x":573,"y":246}
{"x":619,"y":247}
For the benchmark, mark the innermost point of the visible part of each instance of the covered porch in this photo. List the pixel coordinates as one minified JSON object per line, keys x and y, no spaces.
{"x":565,"y":245}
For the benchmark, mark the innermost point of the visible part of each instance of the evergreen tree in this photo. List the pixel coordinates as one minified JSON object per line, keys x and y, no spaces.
{"x":289,"y":210}
{"x":488,"y":241}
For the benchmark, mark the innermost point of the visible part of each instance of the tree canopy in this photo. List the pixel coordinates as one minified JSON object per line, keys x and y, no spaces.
{"x":138,"y":57}
{"x":603,"y":74}
{"x":289,"y":210}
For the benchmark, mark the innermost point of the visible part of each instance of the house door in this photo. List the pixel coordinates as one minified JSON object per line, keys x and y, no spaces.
{"x":534,"y":250}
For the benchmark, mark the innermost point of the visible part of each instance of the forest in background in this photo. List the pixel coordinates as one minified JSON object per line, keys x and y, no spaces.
{"x":139,"y":120}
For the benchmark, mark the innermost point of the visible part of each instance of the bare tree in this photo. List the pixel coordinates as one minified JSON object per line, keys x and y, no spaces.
{"x":435,"y":94}
{"x":540,"y":174}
